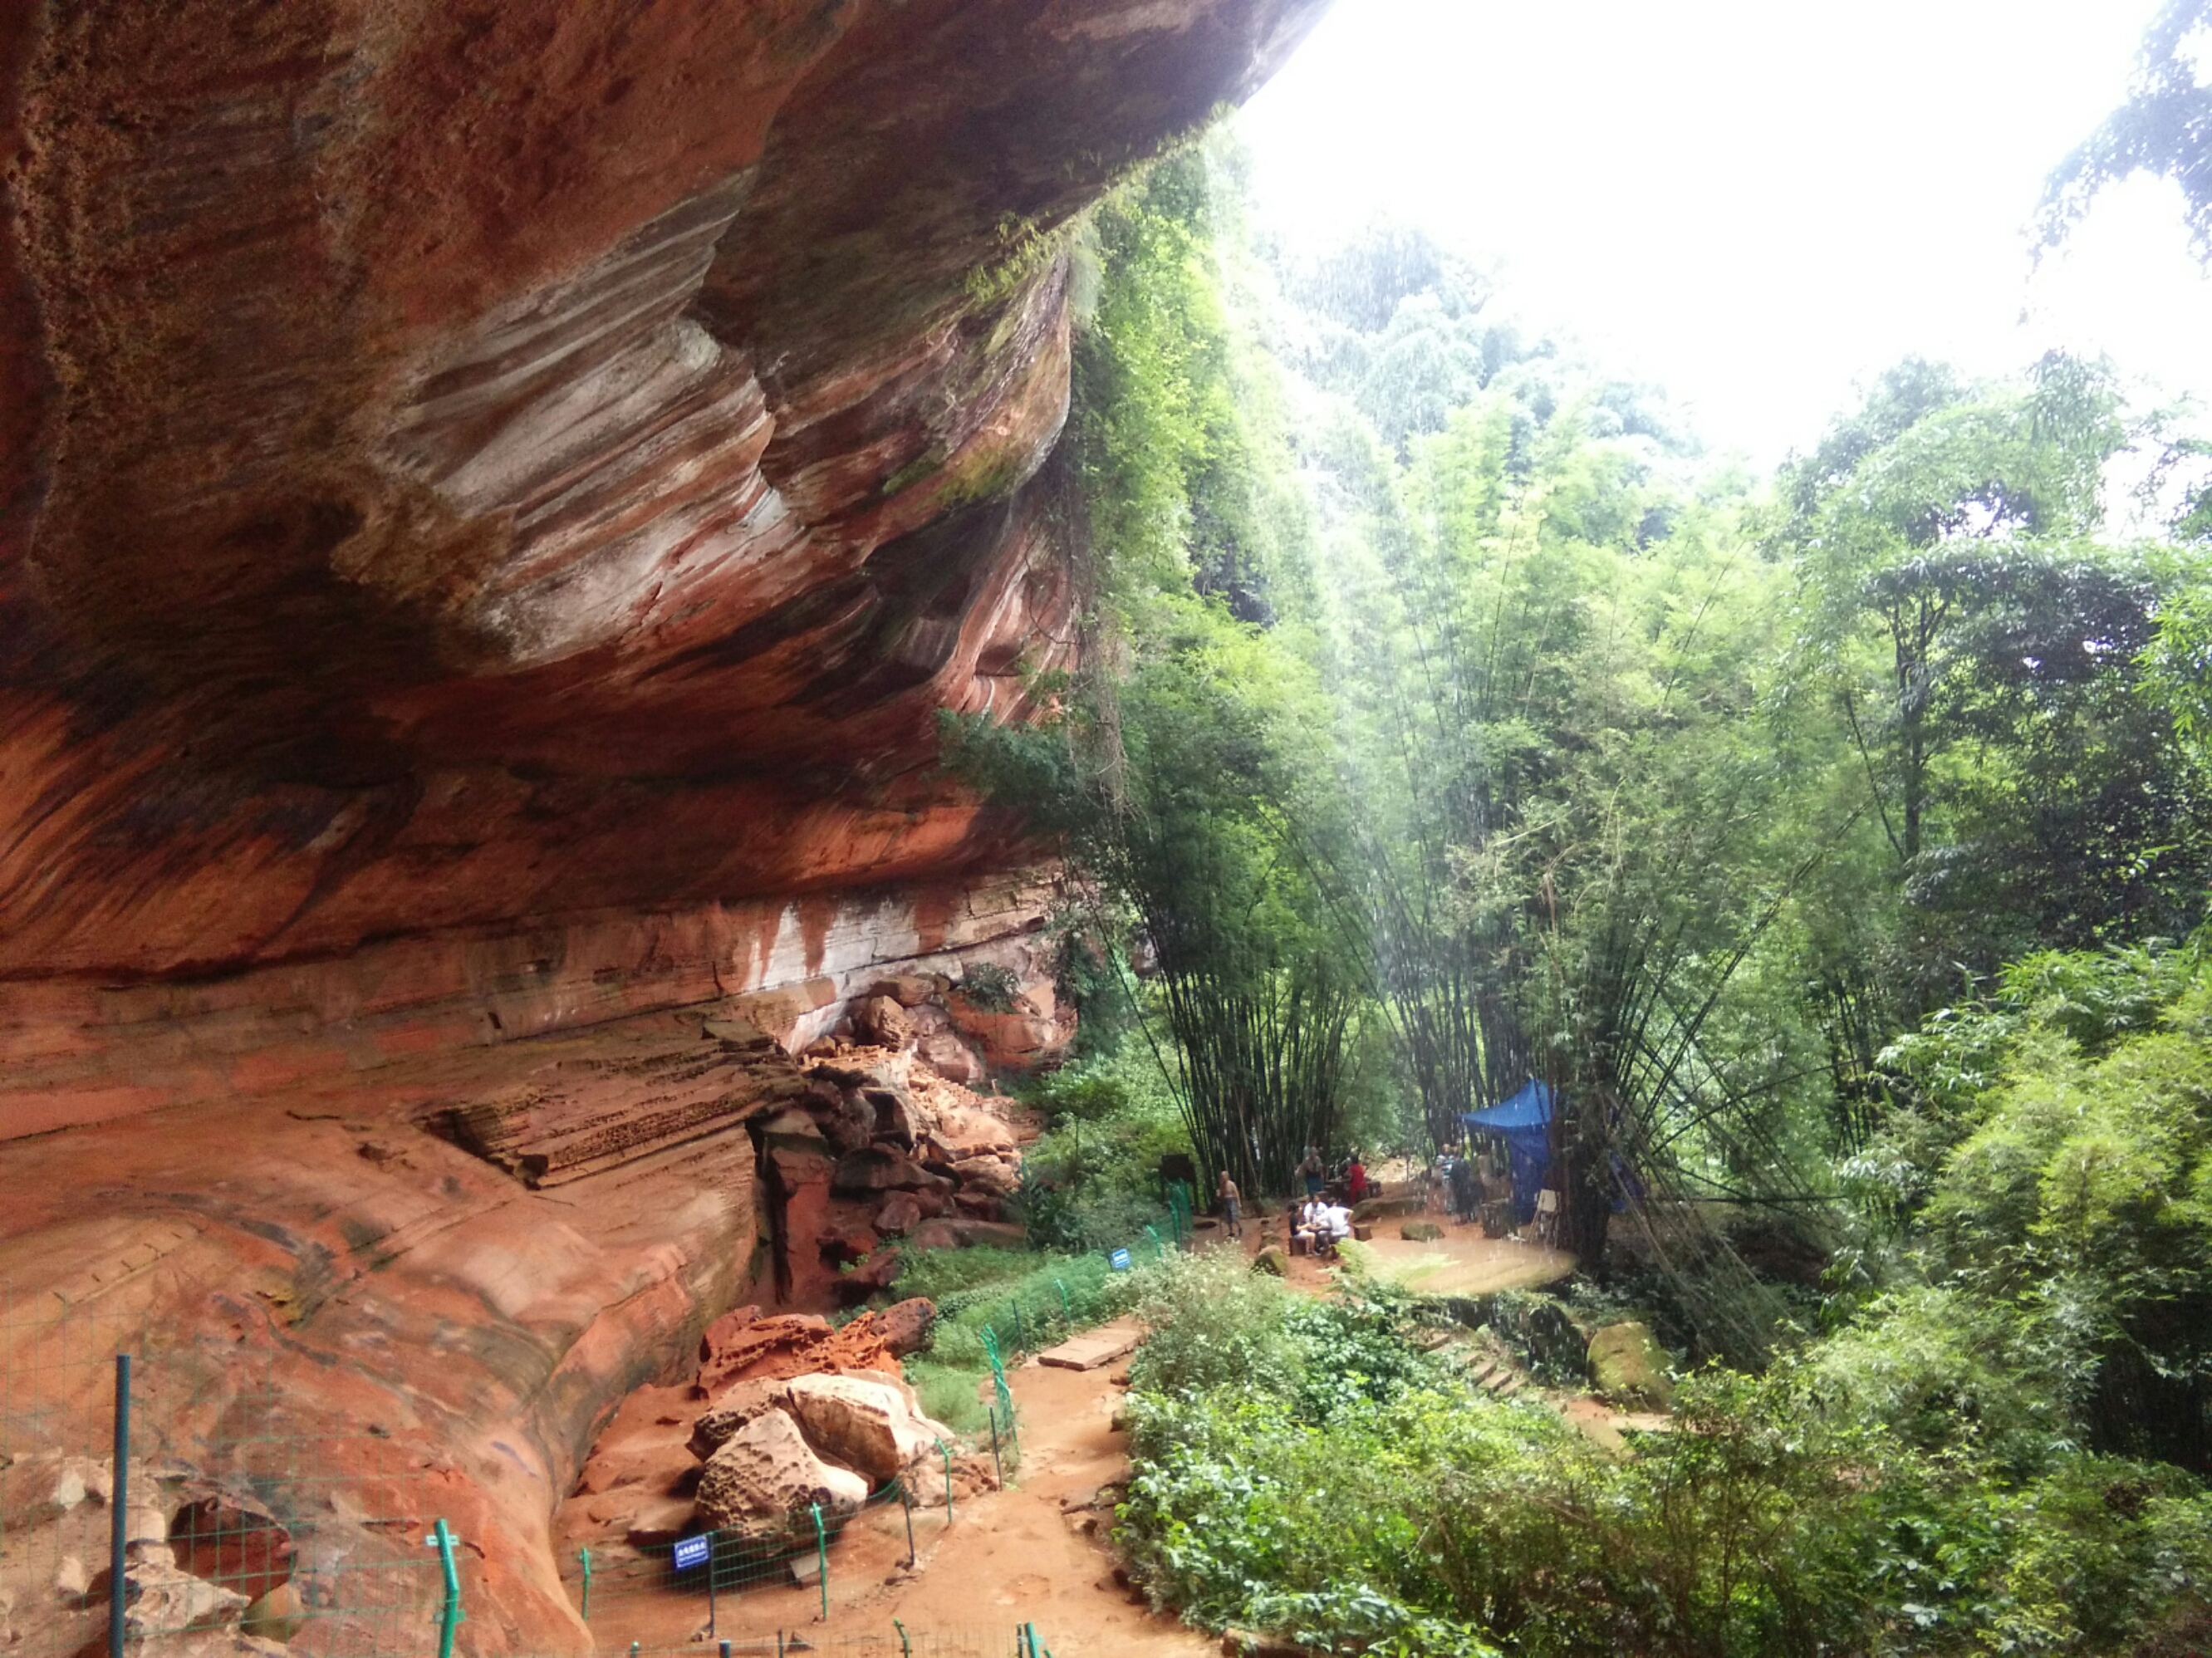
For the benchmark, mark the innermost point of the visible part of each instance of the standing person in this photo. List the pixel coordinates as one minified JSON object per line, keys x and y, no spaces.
{"x":1355,"y":1177}
{"x":1231,"y":1198}
{"x":1466,"y":1192}
{"x":1310,"y":1171}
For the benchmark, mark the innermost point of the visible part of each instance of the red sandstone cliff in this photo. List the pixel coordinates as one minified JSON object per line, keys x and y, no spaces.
{"x":492,"y":497}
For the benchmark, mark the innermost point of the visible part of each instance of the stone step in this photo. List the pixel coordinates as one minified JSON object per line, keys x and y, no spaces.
{"x":1088,"y":1352}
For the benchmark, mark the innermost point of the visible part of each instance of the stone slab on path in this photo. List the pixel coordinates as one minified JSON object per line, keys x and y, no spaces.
{"x":1089,"y":1351}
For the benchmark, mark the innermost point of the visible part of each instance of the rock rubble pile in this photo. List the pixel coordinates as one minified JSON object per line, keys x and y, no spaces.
{"x":890,"y":1145}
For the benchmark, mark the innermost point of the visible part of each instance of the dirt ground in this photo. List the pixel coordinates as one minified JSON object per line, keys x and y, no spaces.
{"x":1463,"y":1262}
{"x":1034,"y":1552}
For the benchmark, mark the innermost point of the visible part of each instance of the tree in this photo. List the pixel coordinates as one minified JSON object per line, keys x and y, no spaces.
{"x":1980,"y":647}
{"x":2165,"y":127}
{"x":1181,"y":777}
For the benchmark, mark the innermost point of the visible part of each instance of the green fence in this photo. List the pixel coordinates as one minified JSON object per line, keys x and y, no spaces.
{"x":711,"y":1565}
{"x":891,"y":1640}
{"x":1025,"y":1320}
{"x":141,"y":1495}
{"x":331,"y":1541}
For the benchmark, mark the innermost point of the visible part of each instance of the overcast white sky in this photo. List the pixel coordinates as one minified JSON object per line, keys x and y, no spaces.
{"x":1755,"y":203}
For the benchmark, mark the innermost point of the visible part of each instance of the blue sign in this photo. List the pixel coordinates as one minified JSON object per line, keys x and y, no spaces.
{"x":693,"y":1552}
{"x":1119,"y":1261}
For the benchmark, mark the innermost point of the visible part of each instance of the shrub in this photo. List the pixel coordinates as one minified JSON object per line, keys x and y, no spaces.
{"x":1214,"y":1322}
{"x":1298,"y":1468}
{"x":1092,"y":1181}
{"x":989,"y":987}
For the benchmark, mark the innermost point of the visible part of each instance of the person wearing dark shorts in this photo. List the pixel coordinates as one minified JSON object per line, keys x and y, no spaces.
{"x":1232,"y":1201}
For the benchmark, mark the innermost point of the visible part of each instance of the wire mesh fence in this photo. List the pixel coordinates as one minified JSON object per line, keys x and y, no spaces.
{"x":179,"y":1495}
{"x":1045,"y":1309}
{"x":895,"y":1640}
{"x":141,"y":1502}
{"x":710,"y":1566}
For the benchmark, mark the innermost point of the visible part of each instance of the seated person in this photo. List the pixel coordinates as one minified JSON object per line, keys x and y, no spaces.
{"x":1331,"y":1228}
{"x":1311,"y":1223}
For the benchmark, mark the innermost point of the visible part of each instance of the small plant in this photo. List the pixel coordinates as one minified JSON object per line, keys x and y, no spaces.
{"x":989,"y":987}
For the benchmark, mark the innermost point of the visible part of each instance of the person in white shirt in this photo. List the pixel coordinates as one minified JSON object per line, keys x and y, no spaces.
{"x":1326,"y":1225}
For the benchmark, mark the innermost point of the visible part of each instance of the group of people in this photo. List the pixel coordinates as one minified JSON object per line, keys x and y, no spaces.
{"x":1322,"y":1220}
{"x":1323,"y":1225}
{"x":1351,"y":1174}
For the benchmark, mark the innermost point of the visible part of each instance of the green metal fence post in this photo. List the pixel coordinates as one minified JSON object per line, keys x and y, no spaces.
{"x":441,"y":1538}
{"x":906,"y":1647}
{"x":997,"y":1472}
{"x":711,"y":1630}
{"x":1159,"y":1249}
{"x":585,"y":1555}
{"x":945,"y":1451}
{"x":1021,"y":1343}
{"x":821,"y":1560}
{"x":906,"y":1502}
{"x":118,"y":1504}
{"x":1066,"y":1311}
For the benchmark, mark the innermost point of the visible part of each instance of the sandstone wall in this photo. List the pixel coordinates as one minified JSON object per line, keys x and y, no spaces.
{"x":494,"y":497}
{"x":74,"y":1050}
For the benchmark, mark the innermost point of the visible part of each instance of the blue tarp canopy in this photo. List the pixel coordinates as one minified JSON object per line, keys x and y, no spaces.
{"x":1529,"y":1108}
{"x":1525,"y":1120}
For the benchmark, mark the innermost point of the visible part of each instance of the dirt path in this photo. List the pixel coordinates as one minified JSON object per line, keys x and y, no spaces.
{"x":1034,"y":1552}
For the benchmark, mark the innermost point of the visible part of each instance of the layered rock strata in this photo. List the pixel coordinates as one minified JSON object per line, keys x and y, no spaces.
{"x":470,"y":465}
{"x":494,"y":500}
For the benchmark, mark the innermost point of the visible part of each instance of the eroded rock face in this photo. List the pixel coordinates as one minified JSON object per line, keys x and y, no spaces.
{"x":492,"y":500}
{"x":873,"y":1427}
{"x":738,"y":1405}
{"x":480,"y":463}
{"x":764,"y":1479}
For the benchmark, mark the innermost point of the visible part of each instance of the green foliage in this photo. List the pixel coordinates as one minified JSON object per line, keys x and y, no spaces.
{"x":1796,"y":1513}
{"x":1175,"y":786}
{"x":1984,"y":657}
{"x":989,"y":987}
{"x":947,"y":1275}
{"x":1550,"y":654}
{"x":2178,"y":668}
{"x":1090,"y":1182}
{"x":949,"y":1394}
{"x":2160,"y":129}
{"x":1468,"y":727}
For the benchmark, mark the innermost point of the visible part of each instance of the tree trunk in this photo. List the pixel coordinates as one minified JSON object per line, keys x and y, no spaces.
{"x":1581,"y":1172}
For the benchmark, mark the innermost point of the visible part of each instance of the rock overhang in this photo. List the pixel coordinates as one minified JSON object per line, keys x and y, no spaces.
{"x":473,"y":464}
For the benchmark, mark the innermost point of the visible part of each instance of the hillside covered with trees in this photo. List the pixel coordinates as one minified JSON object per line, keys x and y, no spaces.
{"x":1834,"y":844}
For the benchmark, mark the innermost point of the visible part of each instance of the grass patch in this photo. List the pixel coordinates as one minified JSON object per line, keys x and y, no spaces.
{"x":949,"y":1394}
